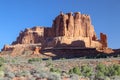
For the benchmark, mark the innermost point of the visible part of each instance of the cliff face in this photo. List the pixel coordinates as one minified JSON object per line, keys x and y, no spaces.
{"x":73,"y":25}
{"x":67,"y":30}
{"x":30,"y":36}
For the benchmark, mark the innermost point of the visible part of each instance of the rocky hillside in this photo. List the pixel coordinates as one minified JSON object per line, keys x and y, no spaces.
{"x":19,"y":68}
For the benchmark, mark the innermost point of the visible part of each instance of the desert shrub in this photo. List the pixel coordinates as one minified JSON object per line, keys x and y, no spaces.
{"x":2,"y":59}
{"x":75,"y":70}
{"x":49,"y":63}
{"x":71,"y":71}
{"x":22,"y":73}
{"x":32,"y":78}
{"x":13,"y":61}
{"x":43,"y":75}
{"x":55,"y":70}
{"x":10,"y":74}
{"x":54,"y":76}
{"x":17,"y":74}
{"x":74,"y":77}
{"x":101,"y":67}
{"x":117,"y":69}
{"x":86,"y":71}
{"x":34,"y":60}
{"x":64,"y":74}
{"x":101,"y":70}
{"x":107,"y":78}
{"x":2,"y":73}
{"x":114,"y":70}
{"x":36,"y":74}
{"x":103,"y":78}
{"x":32,"y":71}
{"x":111,"y":70}
{"x":25,"y":73}
{"x":2,"y":68}
{"x":99,"y":74}
{"x":115,"y":78}
{"x":92,"y":77}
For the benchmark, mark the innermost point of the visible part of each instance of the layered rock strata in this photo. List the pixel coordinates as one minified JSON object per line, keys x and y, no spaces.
{"x":68,"y":30}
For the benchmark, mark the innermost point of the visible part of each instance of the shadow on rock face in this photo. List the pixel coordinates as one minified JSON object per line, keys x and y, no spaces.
{"x":74,"y":50}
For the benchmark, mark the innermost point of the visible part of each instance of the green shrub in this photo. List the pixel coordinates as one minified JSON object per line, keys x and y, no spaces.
{"x":75,"y":70}
{"x":86,"y":70}
{"x":99,"y":74}
{"x":114,"y":70}
{"x":2,"y":73}
{"x":101,"y":71}
{"x":101,"y":67}
{"x":115,"y":78}
{"x":55,"y":70}
{"x":107,"y":78}
{"x":2,"y":61}
{"x":54,"y":76}
{"x":117,"y":69}
{"x":2,"y":68}
{"x":34,"y":60}
{"x":64,"y":74}
{"x":71,"y":71}
{"x":103,"y":78}
{"x":111,"y":70}
{"x":49,"y":63}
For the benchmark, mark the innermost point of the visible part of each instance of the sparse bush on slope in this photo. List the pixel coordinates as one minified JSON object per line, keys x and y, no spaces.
{"x":109,"y":71}
{"x":35,"y":60}
{"x":2,"y":61}
{"x":75,"y":70}
{"x":55,"y":70}
{"x":86,"y":70}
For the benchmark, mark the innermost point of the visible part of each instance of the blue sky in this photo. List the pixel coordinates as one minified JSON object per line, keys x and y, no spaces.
{"x":16,"y":15}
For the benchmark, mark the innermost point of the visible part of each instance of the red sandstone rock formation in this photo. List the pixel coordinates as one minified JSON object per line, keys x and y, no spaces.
{"x":7,"y":48}
{"x":30,"y":36}
{"x":103,"y":39}
{"x":66,"y":29}
{"x":73,"y":25}
{"x":36,"y":51}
